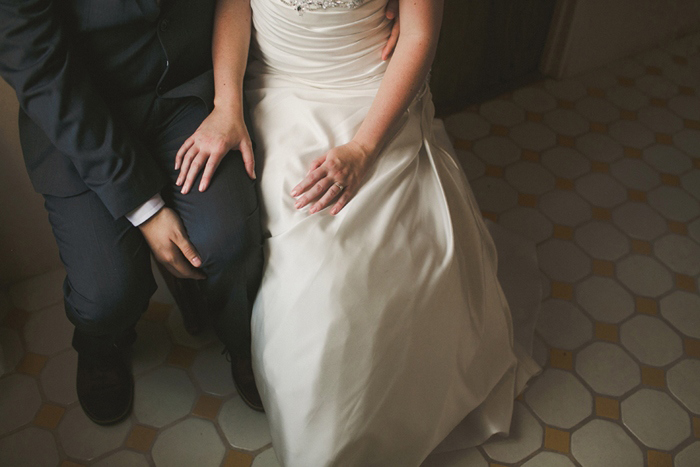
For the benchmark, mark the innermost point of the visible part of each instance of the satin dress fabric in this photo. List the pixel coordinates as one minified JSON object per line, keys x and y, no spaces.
{"x":380,"y":334}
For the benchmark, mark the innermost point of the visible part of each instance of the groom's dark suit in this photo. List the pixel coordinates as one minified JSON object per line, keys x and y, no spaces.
{"x":108,"y":92}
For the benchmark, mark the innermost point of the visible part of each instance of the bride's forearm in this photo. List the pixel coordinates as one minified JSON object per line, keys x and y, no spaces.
{"x":406,"y":73}
{"x":232,"y":23}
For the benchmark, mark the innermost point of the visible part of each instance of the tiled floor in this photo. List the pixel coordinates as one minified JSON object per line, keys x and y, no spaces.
{"x":601,"y":171}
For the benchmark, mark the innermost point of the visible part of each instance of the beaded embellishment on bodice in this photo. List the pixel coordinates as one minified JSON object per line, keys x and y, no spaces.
{"x":302,"y":5}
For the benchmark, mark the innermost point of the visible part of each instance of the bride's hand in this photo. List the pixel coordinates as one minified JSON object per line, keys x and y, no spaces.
{"x":337,"y":175}
{"x":218,"y":134}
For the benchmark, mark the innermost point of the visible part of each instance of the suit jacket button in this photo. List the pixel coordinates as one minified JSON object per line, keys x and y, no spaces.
{"x":164,"y":24}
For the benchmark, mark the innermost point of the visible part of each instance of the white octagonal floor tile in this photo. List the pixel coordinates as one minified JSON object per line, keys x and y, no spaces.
{"x":244,"y":428}
{"x":548,"y":459}
{"x":627,"y":67}
{"x":644,"y":275}
{"x":627,"y":98}
{"x":84,"y":440}
{"x":656,"y":86}
{"x":694,"y":230}
{"x":152,"y":346}
{"x":467,"y":125}
{"x":494,"y":194}
{"x":600,"y":443}
{"x":601,"y":190}
{"x":462,"y":458}
{"x":655,"y":419}
{"x":39,"y":292}
{"x":472,"y":166}
{"x":267,"y":458}
{"x":691,"y":183}
{"x":534,"y":99}
{"x":689,"y":141}
{"x":192,"y":442}
{"x":679,"y":253}
{"x":682,"y":309}
{"x":651,"y":340}
{"x":684,"y":382}
{"x":528,"y":222}
{"x":11,"y":350}
{"x":599,"y":147}
{"x":123,"y":458}
{"x":19,"y":401}
{"x":639,"y":221}
{"x":604,"y":299}
{"x":29,"y":447}
{"x":635,"y":174}
{"x":524,"y":439}
{"x":563,"y":261}
{"x":596,"y":109}
{"x":529,"y":177}
{"x":497,"y":150}
{"x":602,"y":240}
{"x":565,"y":208}
{"x":565,"y":162}
{"x":667,"y":159}
{"x":686,"y":106}
{"x":568,"y":89}
{"x":688,"y":457}
{"x":534,"y":136}
{"x":559,"y":399}
{"x":674,"y":203}
{"x":563,"y":325}
{"x":213,"y":372}
{"x":566,"y":122}
{"x":502,"y":112}
{"x":607,"y":369}
{"x":660,"y":120}
{"x":58,"y":378}
{"x":163,"y":396}
{"x":632,"y":134}
{"x":48,"y":331}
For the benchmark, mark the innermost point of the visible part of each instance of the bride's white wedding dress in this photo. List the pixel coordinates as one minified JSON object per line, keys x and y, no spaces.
{"x":381,"y":333}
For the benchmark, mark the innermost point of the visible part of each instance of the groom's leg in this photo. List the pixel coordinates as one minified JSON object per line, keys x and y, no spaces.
{"x":107,"y":288}
{"x":223,"y":223}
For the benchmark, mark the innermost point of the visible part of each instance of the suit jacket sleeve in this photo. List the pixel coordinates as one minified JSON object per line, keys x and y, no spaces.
{"x":56,"y":92}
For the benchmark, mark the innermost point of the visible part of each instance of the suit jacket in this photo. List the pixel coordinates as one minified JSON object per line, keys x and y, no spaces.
{"x":71,"y":62}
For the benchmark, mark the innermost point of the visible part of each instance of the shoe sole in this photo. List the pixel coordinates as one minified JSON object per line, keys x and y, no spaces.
{"x":111,"y":421}
{"x":257,"y":408}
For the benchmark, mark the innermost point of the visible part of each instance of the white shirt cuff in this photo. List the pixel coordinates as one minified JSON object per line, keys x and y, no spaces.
{"x":144,"y":212}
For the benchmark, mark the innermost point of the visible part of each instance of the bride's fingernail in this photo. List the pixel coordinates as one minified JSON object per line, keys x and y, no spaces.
{"x":294,"y":192}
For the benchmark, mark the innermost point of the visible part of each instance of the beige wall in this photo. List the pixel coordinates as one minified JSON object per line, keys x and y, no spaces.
{"x":589,"y":33}
{"x":27,"y":246}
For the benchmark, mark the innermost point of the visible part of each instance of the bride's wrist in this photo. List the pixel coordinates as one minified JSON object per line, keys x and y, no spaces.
{"x":369,"y":149}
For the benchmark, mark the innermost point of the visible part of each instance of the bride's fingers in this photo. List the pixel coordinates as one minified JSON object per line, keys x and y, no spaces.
{"x":342,"y":201}
{"x":208,"y":173}
{"x":316,"y":164}
{"x":182,"y":151}
{"x":310,"y":180}
{"x":314,"y":192}
{"x":185,"y":166}
{"x":246,"y":149}
{"x":331,"y":193}
{"x":195,"y":166}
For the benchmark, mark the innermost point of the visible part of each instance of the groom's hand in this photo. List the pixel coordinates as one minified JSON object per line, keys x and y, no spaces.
{"x":171,"y":246}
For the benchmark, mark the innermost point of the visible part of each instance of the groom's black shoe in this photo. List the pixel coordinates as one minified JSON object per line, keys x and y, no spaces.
{"x":105,"y":386}
{"x":243,"y":378}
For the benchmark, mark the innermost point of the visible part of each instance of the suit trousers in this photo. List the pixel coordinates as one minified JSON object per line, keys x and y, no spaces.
{"x":109,"y":279}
